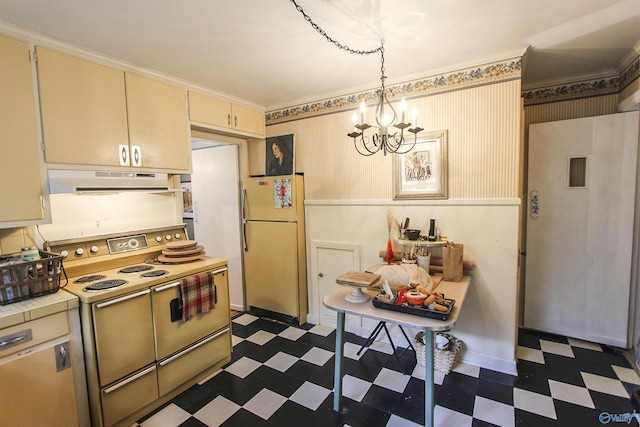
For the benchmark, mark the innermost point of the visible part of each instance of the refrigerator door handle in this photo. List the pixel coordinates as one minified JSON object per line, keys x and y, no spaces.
{"x":244,"y":220}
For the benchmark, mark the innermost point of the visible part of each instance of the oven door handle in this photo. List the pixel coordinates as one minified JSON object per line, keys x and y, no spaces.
{"x":124,"y":298}
{"x":128,"y":380}
{"x":190,"y":349}
{"x":177,"y":283}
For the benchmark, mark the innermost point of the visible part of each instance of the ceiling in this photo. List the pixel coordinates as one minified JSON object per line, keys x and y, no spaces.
{"x":266,"y":53}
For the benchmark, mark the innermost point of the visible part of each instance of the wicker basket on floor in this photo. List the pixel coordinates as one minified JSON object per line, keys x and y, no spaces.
{"x":443,"y":360}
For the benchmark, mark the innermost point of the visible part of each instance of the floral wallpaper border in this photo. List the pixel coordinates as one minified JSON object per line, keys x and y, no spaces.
{"x":473,"y":77}
{"x":584,"y":89}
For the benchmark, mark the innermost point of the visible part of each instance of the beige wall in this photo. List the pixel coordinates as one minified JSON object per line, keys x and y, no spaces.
{"x":483,"y":127}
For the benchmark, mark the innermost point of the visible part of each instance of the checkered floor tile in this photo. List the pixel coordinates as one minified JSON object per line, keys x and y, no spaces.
{"x":283,"y":376}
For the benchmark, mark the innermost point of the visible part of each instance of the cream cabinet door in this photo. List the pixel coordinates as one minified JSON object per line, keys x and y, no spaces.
{"x":215,"y":112}
{"x":19,"y":162}
{"x":204,"y":109}
{"x":248,"y":120}
{"x":37,"y":392}
{"x":84,"y":111}
{"x":158,"y":123}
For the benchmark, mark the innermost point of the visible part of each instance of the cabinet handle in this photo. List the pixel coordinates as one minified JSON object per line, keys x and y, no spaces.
{"x":130,"y":379}
{"x":201,"y":343}
{"x":124,"y":298}
{"x":15,"y":339}
{"x":229,"y":119}
{"x":235,"y":125}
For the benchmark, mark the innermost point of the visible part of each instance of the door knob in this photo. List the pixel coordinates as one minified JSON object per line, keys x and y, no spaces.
{"x":320,"y":275}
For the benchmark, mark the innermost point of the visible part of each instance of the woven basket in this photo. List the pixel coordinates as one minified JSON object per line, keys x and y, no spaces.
{"x":443,"y":360}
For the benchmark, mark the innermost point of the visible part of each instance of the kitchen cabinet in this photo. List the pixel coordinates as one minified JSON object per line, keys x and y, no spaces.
{"x":158,"y":123}
{"x":84,"y":110}
{"x":94,"y":115}
{"x":211,"y":111}
{"x":41,"y":364}
{"x":20,"y":163}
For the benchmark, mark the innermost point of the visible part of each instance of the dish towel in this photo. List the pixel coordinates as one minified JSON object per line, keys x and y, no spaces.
{"x":198,"y":294}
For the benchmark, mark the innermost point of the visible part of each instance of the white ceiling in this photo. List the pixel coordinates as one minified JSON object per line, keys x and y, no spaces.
{"x":264,"y":51}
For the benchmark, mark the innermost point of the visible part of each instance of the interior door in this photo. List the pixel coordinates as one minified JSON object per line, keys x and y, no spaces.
{"x":215,"y":184}
{"x":579,"y":228}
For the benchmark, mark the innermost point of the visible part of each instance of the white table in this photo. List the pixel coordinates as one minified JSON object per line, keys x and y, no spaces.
{"x":336,"y":301}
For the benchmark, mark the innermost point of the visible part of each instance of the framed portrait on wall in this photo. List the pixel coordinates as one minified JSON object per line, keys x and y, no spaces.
{"x":422,"y":172}
{"x":280,"y":158}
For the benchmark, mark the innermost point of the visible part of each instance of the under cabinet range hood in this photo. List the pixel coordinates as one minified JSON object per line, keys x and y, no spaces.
{"x":75,"y":181}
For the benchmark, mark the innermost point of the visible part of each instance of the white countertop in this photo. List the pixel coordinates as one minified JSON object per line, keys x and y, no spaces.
{"x":35,"y":308}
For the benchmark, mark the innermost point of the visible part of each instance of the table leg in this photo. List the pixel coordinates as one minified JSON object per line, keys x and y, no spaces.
{"x":337,"y":378}
{"x":429,"y":400}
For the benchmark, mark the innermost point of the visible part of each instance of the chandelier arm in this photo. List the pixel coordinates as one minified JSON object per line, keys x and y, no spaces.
{"x":364,"y":145}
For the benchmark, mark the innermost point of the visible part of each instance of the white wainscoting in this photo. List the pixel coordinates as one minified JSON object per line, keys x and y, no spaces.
{"x":488,"y":228}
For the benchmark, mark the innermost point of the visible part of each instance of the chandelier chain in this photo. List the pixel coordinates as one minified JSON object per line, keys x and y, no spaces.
{"x":332,"y":40}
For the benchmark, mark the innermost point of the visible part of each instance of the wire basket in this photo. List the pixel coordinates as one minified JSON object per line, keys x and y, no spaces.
{"x":443,"y":360}
{"x":20,"y":280}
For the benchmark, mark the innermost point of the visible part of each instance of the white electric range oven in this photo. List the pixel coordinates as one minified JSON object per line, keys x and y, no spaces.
{"x":139,"y":353}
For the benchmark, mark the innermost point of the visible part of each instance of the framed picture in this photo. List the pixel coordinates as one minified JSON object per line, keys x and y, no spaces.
{"x":279,"y":158}
{"x":422,"y":172}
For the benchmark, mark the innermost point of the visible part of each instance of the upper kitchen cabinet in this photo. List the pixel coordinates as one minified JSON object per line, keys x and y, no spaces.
{"x":158,"y":124}
{"x":97,"y":116}
{"x":215,"y":112}
{"x":84,"y":110}
{"x":20,"y":161}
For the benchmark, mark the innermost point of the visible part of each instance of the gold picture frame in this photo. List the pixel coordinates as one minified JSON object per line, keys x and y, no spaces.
{"x":422,"y":172}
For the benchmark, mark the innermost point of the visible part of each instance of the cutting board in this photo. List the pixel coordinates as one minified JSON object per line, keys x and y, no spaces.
{"x":358,"y":278}
{"x":183,"y":252}
{"x":178,"y":259}
{"x":185,"y":244}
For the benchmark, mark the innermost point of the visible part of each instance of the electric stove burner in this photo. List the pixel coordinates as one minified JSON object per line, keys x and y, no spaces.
{"x":154,"y":273}
{"x":135,"y":269}
{"x":92,"y":278}
{"x":107,"y":284}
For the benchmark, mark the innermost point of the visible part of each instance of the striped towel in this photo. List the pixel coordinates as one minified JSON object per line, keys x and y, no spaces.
{"x":198,"y":294}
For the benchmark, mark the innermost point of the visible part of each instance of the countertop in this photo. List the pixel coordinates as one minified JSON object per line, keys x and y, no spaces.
{"x":35,"y":308}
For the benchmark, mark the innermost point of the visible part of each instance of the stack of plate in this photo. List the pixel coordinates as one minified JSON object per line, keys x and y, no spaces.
{"x":183,"y":251}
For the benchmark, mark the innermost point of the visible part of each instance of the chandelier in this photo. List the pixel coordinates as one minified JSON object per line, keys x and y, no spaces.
{"x":387,"y":139}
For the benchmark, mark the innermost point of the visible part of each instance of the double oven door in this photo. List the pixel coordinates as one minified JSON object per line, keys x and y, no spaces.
{"x":143,"y":352}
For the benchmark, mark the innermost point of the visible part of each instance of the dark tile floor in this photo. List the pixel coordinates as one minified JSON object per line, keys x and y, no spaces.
{"x":283,"y":376}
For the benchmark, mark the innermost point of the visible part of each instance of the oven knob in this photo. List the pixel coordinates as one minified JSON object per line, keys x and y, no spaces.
{"x":133,"y":243}
{"x":168,"y":237}
{"x":79,"y":251}
{"x":64,"y":253}
{"x":158,"y":239}
{"x":94,"y":249}
{"x":178,"y":236}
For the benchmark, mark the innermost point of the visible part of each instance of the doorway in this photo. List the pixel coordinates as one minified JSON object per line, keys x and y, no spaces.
{"x":580,"y":219}
{"x":215,"y":187}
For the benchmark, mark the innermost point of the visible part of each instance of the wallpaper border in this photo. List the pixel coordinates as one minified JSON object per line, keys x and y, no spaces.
{"x":497,"y":72}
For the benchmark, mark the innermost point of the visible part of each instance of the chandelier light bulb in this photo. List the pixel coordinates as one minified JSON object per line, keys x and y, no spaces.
{"x":363,"y":108}
{"x":403,"y":108}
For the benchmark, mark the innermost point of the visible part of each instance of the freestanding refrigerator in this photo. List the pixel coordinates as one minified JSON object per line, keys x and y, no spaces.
{"x":275,"y":266}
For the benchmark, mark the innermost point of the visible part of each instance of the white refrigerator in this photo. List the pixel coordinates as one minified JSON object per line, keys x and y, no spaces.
{"x":275,"y":267}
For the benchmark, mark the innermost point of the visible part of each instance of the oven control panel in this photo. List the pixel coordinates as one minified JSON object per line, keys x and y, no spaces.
{"x":128,"y":243}
{"x":78,"y":249}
